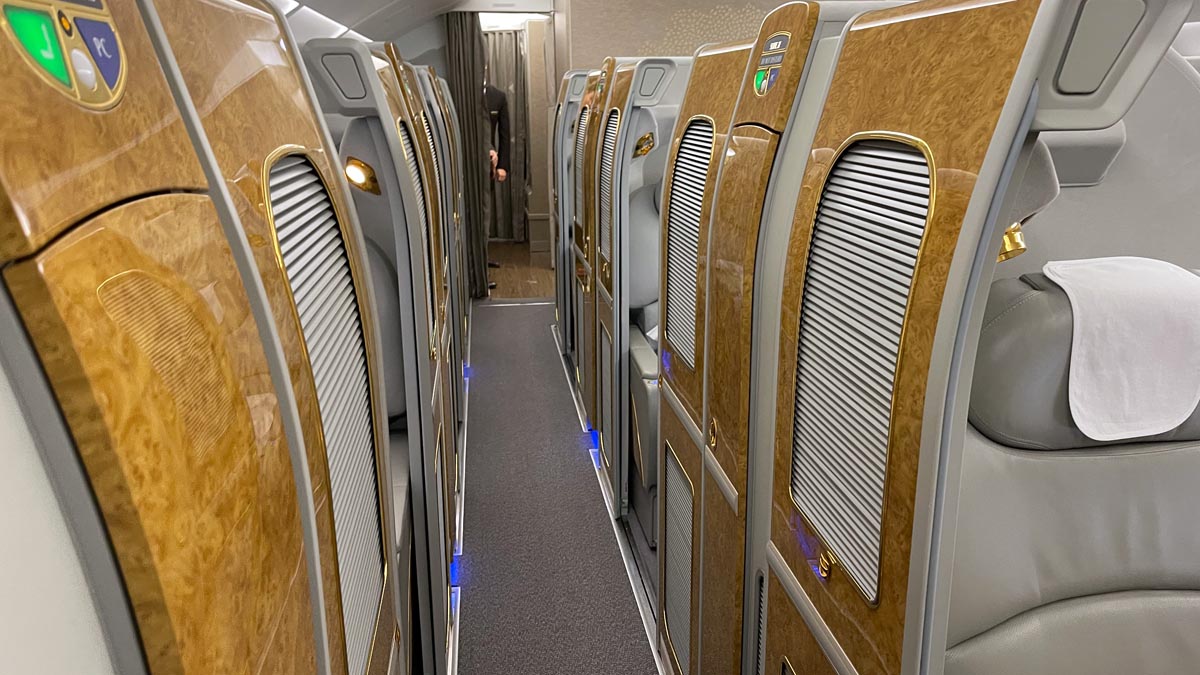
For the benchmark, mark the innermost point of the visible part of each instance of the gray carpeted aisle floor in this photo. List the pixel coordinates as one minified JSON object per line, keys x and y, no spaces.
{"x":543,"y":586}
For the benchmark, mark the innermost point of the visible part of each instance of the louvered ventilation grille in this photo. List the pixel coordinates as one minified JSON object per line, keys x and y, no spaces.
{"x":679,"y":561}
{"x":606,"y":182}
{"x":414,"y":172}
{"x":437,"y":167}
{"x":761,"y":629}
{"x":869,"y":226}
{"x":580,"y":142}
{"x":318,"y":269}
{"x":688,"y":178}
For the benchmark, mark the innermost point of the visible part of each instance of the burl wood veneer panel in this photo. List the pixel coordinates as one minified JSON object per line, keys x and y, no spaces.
{"x":404,"y":115}
{"x":251,"y":120}
{"x":791,"y":647}
{"x":676,"y":440}
{"x":740,"y":193}
{"x":147,"y":338}
{"x":411,"y":92}
{"x":712,"y":92}
{"x":61,"y":162}
{"x":796,"y":20}
{"x":747,"y":168}
{"x":947,"y":73}
{"x":591,"y":102}
{"x":618,"y":102}
{"x":591,"y":151}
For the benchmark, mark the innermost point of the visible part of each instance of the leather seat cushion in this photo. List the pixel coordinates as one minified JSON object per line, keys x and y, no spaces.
{"x":1019,"y":395}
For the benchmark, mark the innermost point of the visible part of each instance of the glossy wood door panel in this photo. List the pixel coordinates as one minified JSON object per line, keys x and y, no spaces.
{"x":61,"y":162}
{"x":455,"y":244}
{"x":740,"y":194}
{"x":272,"y":95}
{"x":147,"y":338}
{"x":722,"y":567}
{"x":405,"y":111}
{"x":618,"y":101}
{"x":606,"y":300}
{"x":591,"y":238}
{"x":712,"y":92}
{"x":411,"y":92}
{"x":741,"y":191}
{"x":675,"y":440}
{"x":796,"y":22}
{"x":791,"y":647}
{"x":947,"y":76}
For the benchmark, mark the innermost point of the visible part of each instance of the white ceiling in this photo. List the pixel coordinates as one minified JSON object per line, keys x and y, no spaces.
{"x":382,"y":19}
{"x":389,"y":19}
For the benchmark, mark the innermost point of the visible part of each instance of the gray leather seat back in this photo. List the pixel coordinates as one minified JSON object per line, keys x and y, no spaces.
{"x":1019,"y":394}
{"x":1072,"y":555}
{"x":643,"y":221}
{"x":362,"y":140}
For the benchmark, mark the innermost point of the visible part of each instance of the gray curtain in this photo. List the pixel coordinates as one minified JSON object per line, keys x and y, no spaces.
{"x":467,"y":57}
{"x":507,"y":72}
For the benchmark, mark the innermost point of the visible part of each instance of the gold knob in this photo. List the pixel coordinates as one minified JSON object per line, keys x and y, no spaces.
{"x":825,"y":564}
{"x":1013,"y":243}
{"x":712,"y":433}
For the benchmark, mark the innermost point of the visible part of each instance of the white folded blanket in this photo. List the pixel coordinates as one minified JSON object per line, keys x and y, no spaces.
{"x":1135,"y":349}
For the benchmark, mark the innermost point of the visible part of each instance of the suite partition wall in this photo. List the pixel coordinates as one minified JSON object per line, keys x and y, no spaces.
{"x":393,"y":208}
{"x":867,"y":316}
{"x":582,"y":276}
{"x":566,"y":119}
{"x":696,"y":146}
{"x":177,"y":378}
{"x":456,"y":160}
{"x":319,"y":249}
{"x":640,"y":116}
{"x":447,"y":152}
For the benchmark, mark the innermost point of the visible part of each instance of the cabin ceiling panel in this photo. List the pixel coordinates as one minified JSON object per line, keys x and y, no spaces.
{"x":380,"y":19}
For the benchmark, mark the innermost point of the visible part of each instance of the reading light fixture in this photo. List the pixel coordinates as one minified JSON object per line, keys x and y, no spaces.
{"x":361,"y":175}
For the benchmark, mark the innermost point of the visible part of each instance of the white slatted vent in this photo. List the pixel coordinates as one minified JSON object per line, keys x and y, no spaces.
{"x":688,"y":179}
{"x":607,"y":156}
{"x":318,"y":269}
{"x":869,"y":227}
{"x":437,"y":165}
{"x":414,"y":172}
{"x":760,"y":662}
{"x":580,"y":142}
{"x":678,"y":584}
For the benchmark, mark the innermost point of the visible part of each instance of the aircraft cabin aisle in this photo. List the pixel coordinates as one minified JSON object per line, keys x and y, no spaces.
{"x":544,"y":587}
{"x":599,"y":337}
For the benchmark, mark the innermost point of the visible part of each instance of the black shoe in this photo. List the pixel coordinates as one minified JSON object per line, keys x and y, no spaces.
{"x":493,"y":264}
{"x":491,"y":285}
